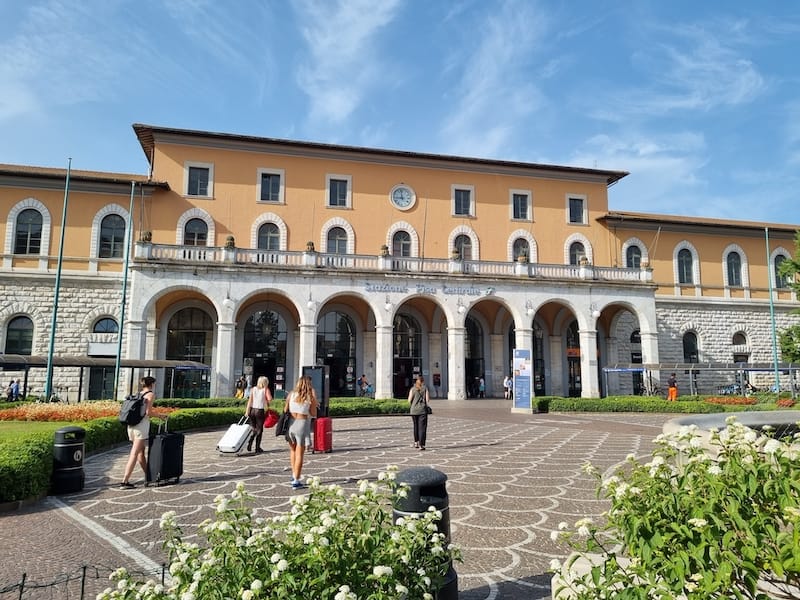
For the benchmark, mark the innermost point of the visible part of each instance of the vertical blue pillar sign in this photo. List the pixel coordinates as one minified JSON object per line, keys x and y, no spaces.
{"x":522,"y":390}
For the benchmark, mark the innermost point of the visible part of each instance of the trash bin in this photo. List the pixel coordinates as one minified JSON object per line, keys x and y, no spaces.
{"x":68,"y":451}
{"x":427,"y":488}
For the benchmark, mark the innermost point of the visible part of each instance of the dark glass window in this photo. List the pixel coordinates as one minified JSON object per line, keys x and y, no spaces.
{"x":112,"y":237}
{"x":198,"y":181}
{"x":337,"y":241}
{"x":781,"y":281}
{"x":739,"y":339}
{"x":734,"y":264}
{"x":633,"y":257}
{"x":338,"y":192}
{"x":195,"y":233}
{"x":690,"y":354}
{"x":576,"y":210}
{"x":685,"y":264}
{"x":19,"y":336}
{"x":576,"y":253}
{"x":270,"y":187}
{"x":105,"y":325}
{"x":520,"y":206}
{"x":401,"y":244}
{"x":28,"y":235}
{"x":521,"y":247}
{"x":463,"y":246}
{"x":463,"y":202}
{"x":269,"y":238}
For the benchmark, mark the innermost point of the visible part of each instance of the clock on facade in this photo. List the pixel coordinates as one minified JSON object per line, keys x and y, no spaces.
{"x":402,"y":197}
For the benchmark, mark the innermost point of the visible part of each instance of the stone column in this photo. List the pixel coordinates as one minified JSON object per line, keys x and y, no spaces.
{"x":494,"y":378}
{"x":307,"y":356}
{"x":383,"y":361}
{"x":590,"y":385}
{"x":556,"y":366}
{"x":221,"y":382}
{"x":456,"y":386}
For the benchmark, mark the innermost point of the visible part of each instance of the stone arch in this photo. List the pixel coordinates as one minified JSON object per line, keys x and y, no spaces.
{"x":11,"y":225}
{"x":745,"y":267}
{"x":473,"y":238}
{"x":195,"y":213}
{"x":270,"y":217}
{"x":338,"y":222}
{"x":695,"y":262}
{"x":108,"y":209}
{"x":635,"y":241}
{"x":587,"y":246}
{"x":526,"y":235}
{"x":404,"y":226}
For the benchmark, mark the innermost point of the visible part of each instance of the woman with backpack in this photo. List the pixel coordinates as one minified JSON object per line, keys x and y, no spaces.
{"x":139,"y":433}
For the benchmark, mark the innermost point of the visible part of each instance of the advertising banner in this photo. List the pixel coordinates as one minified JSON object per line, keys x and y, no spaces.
{"x":522,"y":381}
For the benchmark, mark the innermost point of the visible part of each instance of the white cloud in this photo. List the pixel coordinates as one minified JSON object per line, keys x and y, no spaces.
{"x":343,"y":64}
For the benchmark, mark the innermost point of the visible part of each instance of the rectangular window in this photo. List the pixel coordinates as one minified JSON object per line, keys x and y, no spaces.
{"x":520,"y":205}
{"x":199,"y":179}
{"x":270,"y":185}
{"x":338,"y":191}
{"x":462,"y":201}
{"x":576,"y":209}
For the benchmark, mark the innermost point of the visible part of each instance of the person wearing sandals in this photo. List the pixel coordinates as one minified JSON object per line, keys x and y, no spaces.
{"x":139,"y":434}
{"x":419,"y":396}
{"x":257,"y":405}
{"x":302,"y":403}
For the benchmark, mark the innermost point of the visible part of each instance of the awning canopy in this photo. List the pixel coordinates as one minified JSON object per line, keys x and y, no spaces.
{"x":23,"y":362}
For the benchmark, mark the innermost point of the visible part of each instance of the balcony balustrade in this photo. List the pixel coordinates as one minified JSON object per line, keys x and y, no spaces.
{"x":276,"y":259}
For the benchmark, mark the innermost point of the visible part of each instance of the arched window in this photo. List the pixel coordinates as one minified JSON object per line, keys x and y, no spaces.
{"x":337,"y":241}
{"x":195,"y":233}
{"x":112,"y":237}
{"x":633,"y":257}
{"x":521,"y":248}
{"x":576,"y":253}
{"x":740,"y":351}
{"x":685,"y":270}
{"x":734,"y":264}
{"x":269,"y":238}
{"x":28,"y":235}
{"x":739,"y":339}
{"x":19,"y":336}
{"x":105,"y":325}
{"x":463,"y":245}
{"x":781,"y":281}
{"x":690,"y":353}
{"x":401,"y":244}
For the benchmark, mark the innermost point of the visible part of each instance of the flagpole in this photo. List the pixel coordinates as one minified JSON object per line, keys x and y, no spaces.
{"x":48,"y":384}
{"x":772,"y":317}
{"x":128,"y":237}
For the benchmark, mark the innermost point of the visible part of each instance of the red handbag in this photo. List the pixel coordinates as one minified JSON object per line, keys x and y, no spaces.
{"x":270,"y":418}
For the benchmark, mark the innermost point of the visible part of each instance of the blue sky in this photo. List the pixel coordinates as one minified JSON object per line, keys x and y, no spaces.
{"x":700,"y":101}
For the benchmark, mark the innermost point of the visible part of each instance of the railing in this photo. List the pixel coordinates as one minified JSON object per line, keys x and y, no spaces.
{"x":359,"y":262}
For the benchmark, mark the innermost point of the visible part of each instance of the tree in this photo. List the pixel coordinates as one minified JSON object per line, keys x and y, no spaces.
{"x":789,"y":338}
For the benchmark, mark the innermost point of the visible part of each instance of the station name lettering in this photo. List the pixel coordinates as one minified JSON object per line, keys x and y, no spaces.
{"x":420,"y":288}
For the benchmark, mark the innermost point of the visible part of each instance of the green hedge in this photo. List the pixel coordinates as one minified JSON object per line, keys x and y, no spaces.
{"x":26,"y":465}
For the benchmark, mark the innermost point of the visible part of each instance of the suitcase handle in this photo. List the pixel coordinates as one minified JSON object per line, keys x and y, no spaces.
{"x":164,"y":425}
{"x":243,"y":420}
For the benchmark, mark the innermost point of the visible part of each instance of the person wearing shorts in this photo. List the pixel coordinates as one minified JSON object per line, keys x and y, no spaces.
{"x":139,"y":434}
{"x":302,"y":403}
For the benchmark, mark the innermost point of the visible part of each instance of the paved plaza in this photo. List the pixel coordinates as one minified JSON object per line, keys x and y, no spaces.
{"x":511,"y":479}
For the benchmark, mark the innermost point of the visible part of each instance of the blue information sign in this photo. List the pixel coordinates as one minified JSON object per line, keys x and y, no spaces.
{"x":522,"y":380}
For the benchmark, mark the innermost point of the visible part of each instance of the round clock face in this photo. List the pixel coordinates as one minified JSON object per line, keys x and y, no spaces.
{"x":403,"y":197}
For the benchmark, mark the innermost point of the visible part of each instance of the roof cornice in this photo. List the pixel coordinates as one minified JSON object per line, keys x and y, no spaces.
{"x":636,"y":220}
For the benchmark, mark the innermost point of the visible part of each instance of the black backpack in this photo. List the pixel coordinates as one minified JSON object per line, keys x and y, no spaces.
{"x":131,"y":411}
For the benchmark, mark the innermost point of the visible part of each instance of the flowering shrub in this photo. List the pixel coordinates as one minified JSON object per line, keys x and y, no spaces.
{"x":57,"y":411}
{"x":785,"y":402}
{"x":687,"y":526}
{"x":329,"y":545}
{"x":735,"y":400}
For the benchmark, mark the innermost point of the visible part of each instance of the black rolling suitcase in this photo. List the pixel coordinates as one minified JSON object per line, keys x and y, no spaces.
{"x":165,"y":457}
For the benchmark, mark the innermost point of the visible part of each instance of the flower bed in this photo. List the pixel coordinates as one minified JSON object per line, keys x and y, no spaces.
{"x":736,"y":400}
{"x":57,"y":411}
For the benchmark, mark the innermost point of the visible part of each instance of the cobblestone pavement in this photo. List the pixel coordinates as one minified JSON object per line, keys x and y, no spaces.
{"x":511,"y":479}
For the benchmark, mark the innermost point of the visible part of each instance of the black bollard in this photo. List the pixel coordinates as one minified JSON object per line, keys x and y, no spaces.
{"x":427,"y":488}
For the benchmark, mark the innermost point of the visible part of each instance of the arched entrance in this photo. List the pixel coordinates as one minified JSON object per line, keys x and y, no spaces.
{"x":573,"y":346}
{"x":264,"y":348}
{"x":407,"y":362}
{"x":336,"y":347}
{"x":190,"y":336}
{"x":474,"y":363}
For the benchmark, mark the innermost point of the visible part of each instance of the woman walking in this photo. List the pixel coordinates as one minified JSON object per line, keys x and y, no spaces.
{"x":139,"y":434}
{"x":257,"y":405}
{"x":419,"y":396}
{"x":302,"y":403}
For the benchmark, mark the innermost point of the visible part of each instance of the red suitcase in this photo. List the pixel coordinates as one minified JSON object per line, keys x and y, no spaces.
{"x":323,"y":434}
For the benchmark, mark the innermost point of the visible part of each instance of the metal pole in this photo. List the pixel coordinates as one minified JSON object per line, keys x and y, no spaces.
{"x":48,"y":382}
{"x":772,"y":317}
{"x":128,"y":236}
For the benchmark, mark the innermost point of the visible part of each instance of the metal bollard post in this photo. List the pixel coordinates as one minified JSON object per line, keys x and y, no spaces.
{"x":427,"y":488}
